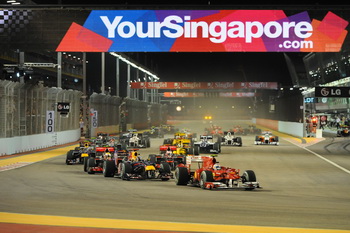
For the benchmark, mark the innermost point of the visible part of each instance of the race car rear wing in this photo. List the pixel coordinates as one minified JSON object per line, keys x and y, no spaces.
{"x":104,"y":149}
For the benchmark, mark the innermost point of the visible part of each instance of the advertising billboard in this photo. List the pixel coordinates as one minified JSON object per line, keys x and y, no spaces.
{"x":82,"y":30}
{"x":204,"y":85}
{"x":205,"y":31}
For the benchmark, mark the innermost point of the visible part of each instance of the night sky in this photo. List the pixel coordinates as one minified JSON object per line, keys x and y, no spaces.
{"x":196,"y":67}
{"x":225,"y":66}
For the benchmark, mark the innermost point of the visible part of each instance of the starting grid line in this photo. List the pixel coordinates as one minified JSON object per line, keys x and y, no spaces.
{"x":14,"y":166}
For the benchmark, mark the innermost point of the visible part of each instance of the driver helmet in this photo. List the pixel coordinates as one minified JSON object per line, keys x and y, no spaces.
{"x":217,"y":167}
{"x":134,"y":156}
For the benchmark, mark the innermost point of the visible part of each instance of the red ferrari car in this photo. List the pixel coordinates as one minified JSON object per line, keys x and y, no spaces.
{"x":205,"y":172}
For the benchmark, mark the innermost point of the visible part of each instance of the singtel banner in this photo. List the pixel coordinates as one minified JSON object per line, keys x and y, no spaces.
{"x":204,"y":85}
{"x":208,"y":94}
{"x":205,"y":31}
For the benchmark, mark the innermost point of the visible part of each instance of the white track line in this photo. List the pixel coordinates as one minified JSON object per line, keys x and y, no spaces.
{"x":321,"y":157}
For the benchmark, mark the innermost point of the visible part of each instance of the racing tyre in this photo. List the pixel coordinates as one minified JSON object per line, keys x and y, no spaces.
{"x":239,"y":141}
{"x":257,"y":139}
{"x":108,"y":168}
{"x":126,"y":169}
{"x":248,"y":176}
{"x":216,"y":147}
{"x":90,"y":165}
{"x":190,"y":150}
{"x":196,"y":150}
{"x":69,"y":157}
{"x":85,"y":163}
{"x":165,"y":168}
{"x":181,"y":176}
{"x":206,"y":176}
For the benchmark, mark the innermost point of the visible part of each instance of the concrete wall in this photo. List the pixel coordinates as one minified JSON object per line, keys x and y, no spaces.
{"x":20,"y":144}
{"x":271,"y":124}
{"x":292,"y":128}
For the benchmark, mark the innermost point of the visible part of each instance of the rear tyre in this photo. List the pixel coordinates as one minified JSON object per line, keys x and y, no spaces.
{"x":181,"y":176}
{"x":108,"y":168}
{"x":206,"y":176}
{"x":69,"y":157}
{"x":85,"y":163}
{"x":126,"y":169}
{"x":216,"y":147}
{"x":165,"y":168}
{"x":239,"y":141}
{"x":196,"y":150}
{"x":90,"y":165}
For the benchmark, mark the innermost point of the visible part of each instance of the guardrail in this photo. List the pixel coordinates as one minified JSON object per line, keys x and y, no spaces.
{"x":24,"y":111}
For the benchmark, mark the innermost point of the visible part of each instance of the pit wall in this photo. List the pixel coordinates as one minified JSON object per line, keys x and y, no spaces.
{"x":292,"y":128}
{"x":21,"y":144}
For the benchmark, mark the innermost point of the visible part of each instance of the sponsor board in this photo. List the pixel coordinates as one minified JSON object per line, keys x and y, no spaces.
{"x":332,"y":91}
{"x":204,"y":31}
{"x":204,"y":85}
{"x":208,"y":94}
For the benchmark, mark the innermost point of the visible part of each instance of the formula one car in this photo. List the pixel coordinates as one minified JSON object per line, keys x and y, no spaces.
{"x":133,"y":167}
{"x":155,"y":132}
{"x":168,"y":129}
{"x":230,"y":140}
{"x":205,"y":172}
{"x":252,"y":129}
{"x":77,"y":155}
{"x":158,"y":167}
{"x":180,"y":140}
{"x":343,"y":131}
{"x":94,"y":163}
{"x":207,"y":145}
{"x":239,"y":130}
{"x":112,"y":161}
{"x":214,"y":130}
{"x":174,"y":155}
{"x":136,"y":140}
{"x":266,"y":139}
{"x":74,"y":156}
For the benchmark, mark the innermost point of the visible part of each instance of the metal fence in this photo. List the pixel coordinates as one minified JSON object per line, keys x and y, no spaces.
{"x":23,"y":108}
{"x":108,"y":108}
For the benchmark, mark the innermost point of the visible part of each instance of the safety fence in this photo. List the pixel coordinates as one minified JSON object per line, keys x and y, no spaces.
{"x":114,"y":114}
{"x":24,"y":111}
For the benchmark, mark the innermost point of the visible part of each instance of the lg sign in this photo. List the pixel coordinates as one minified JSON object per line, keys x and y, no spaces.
{"x":204,"y":31}
{"x":332,"y":91}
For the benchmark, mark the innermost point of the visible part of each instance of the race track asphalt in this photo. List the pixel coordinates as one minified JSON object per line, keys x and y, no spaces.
{"x":306,"y":188}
